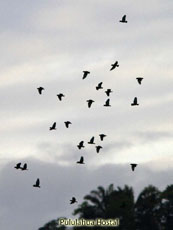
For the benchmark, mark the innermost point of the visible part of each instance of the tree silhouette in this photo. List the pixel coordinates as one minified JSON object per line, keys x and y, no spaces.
{"x":148,"y":209}
{"x":167,"y":208}
{"x":152,"y":210}
{"x":109,"y":203}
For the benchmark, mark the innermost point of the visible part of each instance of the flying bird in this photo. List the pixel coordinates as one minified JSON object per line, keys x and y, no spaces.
{"x":98,"y":148}
{"x":91,"y":141}
{"x":108,"y":91}
{"x":73,"y":200}
{"x":60,"y":96}
{"x":40,"y":89}
{"x":99,"y":86}
{"x":81,"y":145}
{"x":123,"y":20}
{"x":81,"y":161}
{"x":53,"y":127}
{"x":85,"y":74}
{"x":133,"y":166}
{"x":139,"y":79}
{"x":67,"y":123}
{"x":37,"y":184}
{"x":114,"y":65}
{"x":24,"y":167}
{"x":102,"y":136}
{"x":135,"y":102}
{"x":90,"y":102}
{"x":107,"y":103}
{"x":18,"y":166}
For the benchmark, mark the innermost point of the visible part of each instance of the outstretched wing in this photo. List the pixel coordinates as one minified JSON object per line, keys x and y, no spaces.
{"x":85,"y":74}
{"x":92,"y":139}
{"x":54,"y":125}
{"x":135,"y":100}
{"x":113,"y":67}
{"x":18,"y":165}
{"x":37,"y":182}
{"x":100,"y":84}
{"x":124,"y":18}
{"x":107,"y":101}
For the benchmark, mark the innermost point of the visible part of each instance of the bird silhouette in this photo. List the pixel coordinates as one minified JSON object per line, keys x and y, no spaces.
{"x":85,"y":74}
{"x":81,"y":161}
{"x":139,"y":79}
{"x":90,"y":103}
{"x":98,"y":148}
{"x":91,"y":141}
{"x":24,"y":167}
{"x":123,"y":20}
{"x":60,"y":96}
{"x":18,"y":166}
{"x":73,"y":200}
{"x":40,"y":89}
{"x":107,"y":102}
{"x":108,"y":91}
{"x":114,"y":65}
{"x":81,"y":145}
{"x":99,"y":86}
{"x":37,"y":183}
{"x":53,"y":127}
{"x":133,"y":166}
{"x":102,"y":136}
{"x":135,"y":102}
{"x":67,"y":123}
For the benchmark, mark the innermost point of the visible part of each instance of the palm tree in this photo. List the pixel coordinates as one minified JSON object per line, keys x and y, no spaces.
{"x":148,"y":209}
{"x":109,"y":203}
{"x":95,"y":204}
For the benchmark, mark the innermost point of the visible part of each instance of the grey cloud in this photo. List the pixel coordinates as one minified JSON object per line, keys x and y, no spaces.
{"x":30,"y":208}
{"x":154,"y":135}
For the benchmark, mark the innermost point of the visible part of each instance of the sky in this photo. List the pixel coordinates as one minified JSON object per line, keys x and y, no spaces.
{"x":50,"y":44}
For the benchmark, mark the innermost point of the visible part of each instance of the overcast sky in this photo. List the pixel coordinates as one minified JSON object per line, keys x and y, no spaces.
{"x":50,"y":43}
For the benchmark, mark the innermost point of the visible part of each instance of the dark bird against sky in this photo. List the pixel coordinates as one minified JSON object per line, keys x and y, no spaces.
{"x":60,"y":96}
{"x":85,"y":74}
{"x":133,"y":166}
{"x":90,"y":101}
{"x":99,"y":86}
{"x":123,"y":20}
{"x":67,"y":123}
{"x":107,"y":102}
{"x":114,"y":65}
{"x":53,"y":127}
{"x":37,"y":183}
{"x":24,"y":167}
{"x":73,"y":200}
{"x":40,"y":89}
{"x":102,"y":136}
{"x":108,"y":91}
{"x":18,"y":166}
{"x":98,"y":148}
{"x":81,"y":145}
{"x":91,"y":141}
{"x":135,"y":102}
{"x":81,"y":161}
{"x":139,"y":79}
